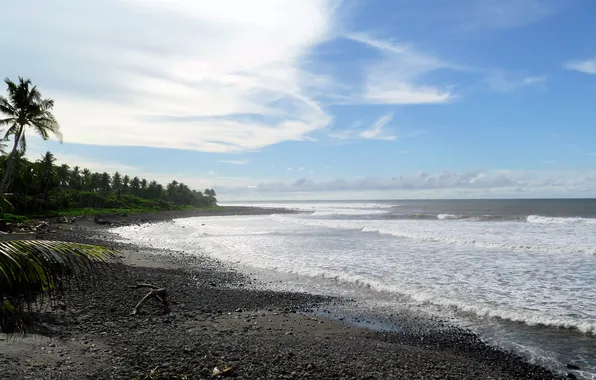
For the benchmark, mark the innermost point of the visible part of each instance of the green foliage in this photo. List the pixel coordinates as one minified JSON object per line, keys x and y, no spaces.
{"x":41,"y":187}
{"x":11,"y":218}
{"x":30,"y":267}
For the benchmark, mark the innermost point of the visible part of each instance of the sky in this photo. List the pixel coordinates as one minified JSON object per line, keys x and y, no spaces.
{"x":319,"y":99}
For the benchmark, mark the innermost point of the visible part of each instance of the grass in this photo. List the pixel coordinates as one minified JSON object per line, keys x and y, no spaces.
{"x":133,"y":210}
{"x":11,"y":218}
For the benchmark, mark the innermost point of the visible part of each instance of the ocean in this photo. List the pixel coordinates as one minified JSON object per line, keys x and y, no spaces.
{"x":519,"y":273}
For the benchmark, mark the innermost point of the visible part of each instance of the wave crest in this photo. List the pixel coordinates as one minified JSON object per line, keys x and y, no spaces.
{"x":559,"y":220}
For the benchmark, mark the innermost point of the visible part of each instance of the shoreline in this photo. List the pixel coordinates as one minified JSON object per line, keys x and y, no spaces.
{"x":217,"y":320}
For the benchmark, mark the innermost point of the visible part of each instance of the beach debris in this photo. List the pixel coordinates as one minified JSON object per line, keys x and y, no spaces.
{"x":66,"y":220}
{"x":101,"y":221}
{"x":156,"y":292}
{"x":226,"y":371}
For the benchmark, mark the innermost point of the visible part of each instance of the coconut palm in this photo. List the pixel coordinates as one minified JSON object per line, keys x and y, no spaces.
{"x":31,"y":270}
{"x":48,"y":174}
{"x":117,"y":184}
{"x":135,"y":186}
{"x":24,"y":108}
{"x":125,"y":184}
{"x":143,"y":186}
{"x":105,"y":183}
{"x":86,"y":179}
{"x":75,"y":178}
{"x":63,"y":174}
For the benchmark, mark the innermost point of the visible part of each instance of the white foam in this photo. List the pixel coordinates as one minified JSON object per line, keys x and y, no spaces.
{"x":510,"y":236}
{"x":336,"y":212}
{"x":316,"y":206}
{"x":472,"y":268}
{"x":559,"y":220}
{"x":446,"y":216}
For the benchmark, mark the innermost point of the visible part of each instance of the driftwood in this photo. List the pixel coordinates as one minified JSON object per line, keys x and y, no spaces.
{"x":156,"y":292}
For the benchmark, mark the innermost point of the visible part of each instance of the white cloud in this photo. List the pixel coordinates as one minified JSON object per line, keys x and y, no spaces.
{"x":479,"y":183}
{"x":217,"y":76}
{"x":501,"y":81}
{"x":235,"y":162}
{"x":396,"y":79}
{"x":374,"y":132}
{"x":587,"y":66}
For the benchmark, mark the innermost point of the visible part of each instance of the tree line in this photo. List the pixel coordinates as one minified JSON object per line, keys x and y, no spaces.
{"x":42,"y":185}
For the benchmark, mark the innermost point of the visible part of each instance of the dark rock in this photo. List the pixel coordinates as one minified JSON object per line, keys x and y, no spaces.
{"x":573,"y":366}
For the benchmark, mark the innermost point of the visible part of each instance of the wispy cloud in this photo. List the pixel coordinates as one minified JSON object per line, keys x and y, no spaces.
{"x":374,"y":132}
{"x":196,"y":83}
{"x":397,"y":77}
{"x":587,"y":66}
{"x":501,"y":81}
{"x":235,"y":162}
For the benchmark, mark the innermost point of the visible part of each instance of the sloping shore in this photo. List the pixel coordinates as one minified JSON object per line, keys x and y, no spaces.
{"x":218,"y":321}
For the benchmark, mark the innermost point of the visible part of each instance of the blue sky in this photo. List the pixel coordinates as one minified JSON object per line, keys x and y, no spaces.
{"x":279,"y":99}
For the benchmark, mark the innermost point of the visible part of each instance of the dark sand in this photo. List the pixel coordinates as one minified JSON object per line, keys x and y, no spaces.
{"x":218,"y":321}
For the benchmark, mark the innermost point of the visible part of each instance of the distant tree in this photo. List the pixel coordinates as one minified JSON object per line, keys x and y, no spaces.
{"x":24,"y":108}
{"x":105,"y":183}
{"x":63,"y":173}
{"x":96,"y":181}
{"x":48,"y":177}
{"x":126,"y":184}
{"x":117,"y":184}
{"x":143,"y":187}
{"x":86,"y":180}
{"x":135,"y":186}
{"x":75,"y":178}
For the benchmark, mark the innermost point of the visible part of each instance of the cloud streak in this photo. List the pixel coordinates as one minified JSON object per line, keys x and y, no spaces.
{"x":198,"y":76}
{"x":396,"y":79}
{"x":235,"y":162}
{"x":500,"y":81}
{"x":587,"y":66}
{"x":374,"y":132}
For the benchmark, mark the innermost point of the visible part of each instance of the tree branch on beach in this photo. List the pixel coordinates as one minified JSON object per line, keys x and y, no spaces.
{"x":156,"y":292}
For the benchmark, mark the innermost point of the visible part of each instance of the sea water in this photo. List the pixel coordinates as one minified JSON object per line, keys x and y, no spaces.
{"x":520,"y":273}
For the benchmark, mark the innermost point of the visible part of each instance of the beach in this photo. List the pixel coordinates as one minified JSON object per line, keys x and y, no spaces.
{"x":222,"y":324}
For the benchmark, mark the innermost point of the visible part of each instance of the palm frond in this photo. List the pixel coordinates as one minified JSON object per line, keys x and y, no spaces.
{"x":29,"y":268}
{"x":7,"y":108}
{"x":10,"y":120}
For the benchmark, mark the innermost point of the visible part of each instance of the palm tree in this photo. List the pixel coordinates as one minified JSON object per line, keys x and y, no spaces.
{"x":96,"y":181}
{"x":75,"y":178}
{"x":25,"y":108}
{"x":125,"y":183}
{"x":117,"y":184}
{"x":105,"y":183}
{"x":30,"y":268}
{"x":47,"y":175}
{"x":87,"y":179}
{"x":143,"y":185}
{"x":63,"y":174}
{"x":135,"y":186}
